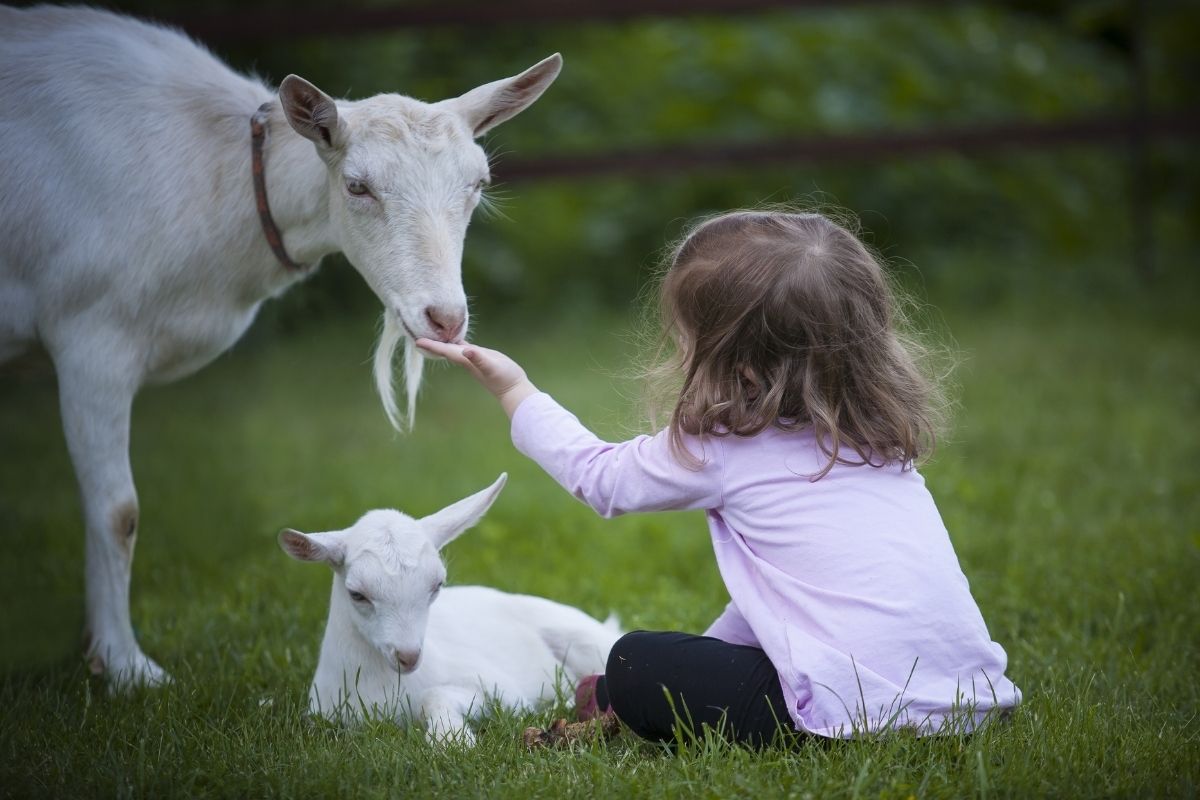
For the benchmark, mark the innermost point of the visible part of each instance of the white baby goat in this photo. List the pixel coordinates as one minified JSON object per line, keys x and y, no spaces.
{"x":133,"y":251}
{"x":399,"y":645}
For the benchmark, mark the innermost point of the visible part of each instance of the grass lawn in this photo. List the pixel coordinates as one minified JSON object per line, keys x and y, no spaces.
{"x":1070,"y":486}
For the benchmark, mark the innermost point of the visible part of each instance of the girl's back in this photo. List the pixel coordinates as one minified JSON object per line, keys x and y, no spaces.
{"x":851,"y":575}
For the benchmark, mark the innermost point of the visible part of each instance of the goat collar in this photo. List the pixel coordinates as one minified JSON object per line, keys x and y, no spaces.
{"x":258,"y":135}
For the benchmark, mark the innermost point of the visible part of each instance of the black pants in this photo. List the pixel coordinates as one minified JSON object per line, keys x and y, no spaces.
{"x":658,"y":680}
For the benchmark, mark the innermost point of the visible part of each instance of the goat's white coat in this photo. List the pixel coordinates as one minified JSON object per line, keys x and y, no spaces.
{"x":130,"y":246}
{"x":437,"y":656}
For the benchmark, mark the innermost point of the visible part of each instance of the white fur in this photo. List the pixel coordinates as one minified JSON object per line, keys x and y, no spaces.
{"x":412,"y":651}
{"x":130,"y":247}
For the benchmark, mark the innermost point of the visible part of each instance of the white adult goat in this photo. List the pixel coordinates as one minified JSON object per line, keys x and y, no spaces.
{"x":389,"y":615}
{"x":135,"y":247}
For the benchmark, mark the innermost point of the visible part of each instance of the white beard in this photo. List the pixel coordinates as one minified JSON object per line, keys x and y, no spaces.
{"x":414,"y":363}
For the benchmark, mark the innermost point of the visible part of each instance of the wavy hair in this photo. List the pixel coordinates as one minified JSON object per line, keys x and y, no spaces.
{"x":788,"y":320}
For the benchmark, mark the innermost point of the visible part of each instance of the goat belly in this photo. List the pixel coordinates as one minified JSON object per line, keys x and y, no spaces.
{"x":185,"y":345}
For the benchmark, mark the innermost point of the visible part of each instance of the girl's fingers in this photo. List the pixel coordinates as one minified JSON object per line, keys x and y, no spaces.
{"x":489,"y":367}
{"x":476,"y":358}
{"x":430,"y":346}
{"x":480,"y":358}
{"x":462,"y":355}
{"x":450,"y":352}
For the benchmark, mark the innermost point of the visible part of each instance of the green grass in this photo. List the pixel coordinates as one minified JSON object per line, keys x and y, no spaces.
{"x":1070,"y":486}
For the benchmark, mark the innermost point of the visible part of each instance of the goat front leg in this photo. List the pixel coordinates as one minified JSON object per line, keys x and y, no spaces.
{"x":445,"y":711}
{"x":96,"y":398}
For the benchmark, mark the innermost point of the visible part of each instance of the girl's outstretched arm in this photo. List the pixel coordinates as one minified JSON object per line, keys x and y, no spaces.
{"x":498,"y":373}
{"x":641,"y":474}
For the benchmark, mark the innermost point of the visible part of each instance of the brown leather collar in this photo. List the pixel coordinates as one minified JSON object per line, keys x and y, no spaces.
{"x":258,"y":134}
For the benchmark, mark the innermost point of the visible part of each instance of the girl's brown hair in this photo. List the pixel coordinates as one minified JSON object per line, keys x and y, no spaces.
{"x":788,"y":320}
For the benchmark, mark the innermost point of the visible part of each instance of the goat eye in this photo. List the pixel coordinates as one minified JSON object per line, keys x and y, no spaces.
{"x":357,"y":188}
{"x":437,"y":587}
{"x":358,"y":597}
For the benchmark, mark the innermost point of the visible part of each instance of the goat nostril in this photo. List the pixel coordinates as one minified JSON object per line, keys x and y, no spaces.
{"x":447,"y":324}
{"x":406,"y":661}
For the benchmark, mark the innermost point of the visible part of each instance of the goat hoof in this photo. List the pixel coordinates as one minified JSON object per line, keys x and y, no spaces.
{"x":451,"y":737}
{"x":131,"y":673}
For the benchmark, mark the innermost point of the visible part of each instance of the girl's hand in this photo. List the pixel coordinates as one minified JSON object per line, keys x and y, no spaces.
{"x":498,"y":373}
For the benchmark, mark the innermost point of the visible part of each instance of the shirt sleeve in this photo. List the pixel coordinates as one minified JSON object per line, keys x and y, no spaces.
{"x":732,"y":627}
{"x":638,"y":475}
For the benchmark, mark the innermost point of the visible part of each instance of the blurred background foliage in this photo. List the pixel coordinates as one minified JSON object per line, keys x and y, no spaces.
{"x":977,"y":227}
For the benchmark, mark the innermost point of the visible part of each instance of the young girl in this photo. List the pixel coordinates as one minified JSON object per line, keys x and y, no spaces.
{"x":796,"y":428}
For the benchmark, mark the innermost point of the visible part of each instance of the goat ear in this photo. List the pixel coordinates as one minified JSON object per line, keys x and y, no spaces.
{"x":445,"y":526}
{"x":310,"y":112}
{"x":486,"y":106}
{"x":312,"y":546}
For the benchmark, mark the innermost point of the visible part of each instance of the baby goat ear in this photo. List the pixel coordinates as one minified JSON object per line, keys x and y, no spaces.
{"x":444,"y":526}
{"x":312,"y":546}
{"x":485,"y":107}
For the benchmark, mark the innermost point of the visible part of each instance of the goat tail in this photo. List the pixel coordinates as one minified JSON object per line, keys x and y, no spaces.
{"x":414,"y":363}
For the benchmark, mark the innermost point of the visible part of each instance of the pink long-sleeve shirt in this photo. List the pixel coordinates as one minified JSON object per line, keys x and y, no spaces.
{"x":848,"y":583}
